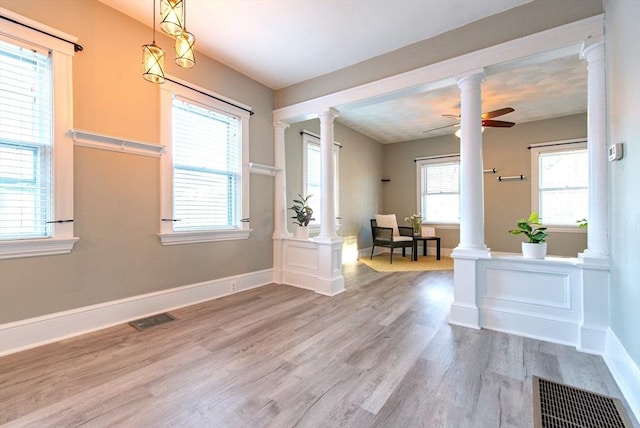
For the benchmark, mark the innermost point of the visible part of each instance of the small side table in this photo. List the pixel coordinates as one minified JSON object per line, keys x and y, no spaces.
{"x":424,"y":239}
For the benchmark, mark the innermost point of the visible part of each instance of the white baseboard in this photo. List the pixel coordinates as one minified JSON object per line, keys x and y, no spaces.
{"x":24,"y":334}
{"x":624,"y":371}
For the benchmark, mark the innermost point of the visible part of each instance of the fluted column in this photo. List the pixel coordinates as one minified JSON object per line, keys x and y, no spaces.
{"x":327,"y":198}
{"x":597,"y":241}
{"x":280,"y":190}
{"x":471,"y":175}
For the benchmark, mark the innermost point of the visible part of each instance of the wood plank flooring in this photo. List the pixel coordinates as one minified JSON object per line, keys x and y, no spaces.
{"x":379,"y":355}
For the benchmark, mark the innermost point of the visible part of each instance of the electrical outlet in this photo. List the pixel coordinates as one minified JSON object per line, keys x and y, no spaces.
{"x":234,"y":287}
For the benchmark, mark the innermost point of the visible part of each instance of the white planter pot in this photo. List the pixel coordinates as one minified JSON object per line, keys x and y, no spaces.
{"x":534,"y":251}
{"x":302,"y":232}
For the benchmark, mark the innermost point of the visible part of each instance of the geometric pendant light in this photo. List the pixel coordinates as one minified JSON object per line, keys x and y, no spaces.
{"x":172,"y":14}
{"x":185,"y":56}
{"x":153,"y":57}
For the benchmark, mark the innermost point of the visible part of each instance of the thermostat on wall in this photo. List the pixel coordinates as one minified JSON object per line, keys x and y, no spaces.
{"x":615,"y":152}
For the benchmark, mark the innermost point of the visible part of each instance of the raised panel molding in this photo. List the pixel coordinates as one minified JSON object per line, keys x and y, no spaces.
{"x":531,"y":287}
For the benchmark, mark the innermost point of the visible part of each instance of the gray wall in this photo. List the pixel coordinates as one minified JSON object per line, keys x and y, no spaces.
{"x":530,"y":18}
{"x":623,"y":71}
{"x":505,"y":202}
{"x":116,"y":207}
{"x":360,"y":173}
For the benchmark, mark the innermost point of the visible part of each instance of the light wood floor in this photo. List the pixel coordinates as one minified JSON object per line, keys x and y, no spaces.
{"x":380,"y":354}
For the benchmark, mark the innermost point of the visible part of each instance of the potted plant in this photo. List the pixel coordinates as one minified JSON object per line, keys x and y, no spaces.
{"x":415,"y":221}
{"x":304,"y":214}
{"x":536,"y":248}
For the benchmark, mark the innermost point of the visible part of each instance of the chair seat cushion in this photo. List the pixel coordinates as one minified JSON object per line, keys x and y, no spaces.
{"x":402,"y":238}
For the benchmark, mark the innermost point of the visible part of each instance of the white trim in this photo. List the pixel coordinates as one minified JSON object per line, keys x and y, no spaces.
{"x":198,"y":95}
{"x":62,"y":239}
{"x":624,"y":370}
{"x":440,"y":74}
{"x":550,"y":147}
{"x":176,"y":238}
{"x":36,"y":247}
{"x":257,"y":168}
{"x":433,"y":160}
{"x":29,"y":333}
{"x":116,"y":144}
{"x":20,"y":32}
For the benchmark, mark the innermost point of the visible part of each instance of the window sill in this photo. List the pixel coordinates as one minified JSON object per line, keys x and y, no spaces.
{"x":36,"y":247}
{"x":178,"y":238}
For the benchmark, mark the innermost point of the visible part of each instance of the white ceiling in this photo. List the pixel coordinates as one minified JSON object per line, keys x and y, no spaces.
{"x":283,"y":42}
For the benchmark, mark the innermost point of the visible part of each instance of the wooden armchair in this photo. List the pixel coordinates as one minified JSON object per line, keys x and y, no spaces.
{"x":386,"y":235}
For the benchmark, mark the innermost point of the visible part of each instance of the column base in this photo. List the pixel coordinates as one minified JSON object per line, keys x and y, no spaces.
{"x":329,"y":281}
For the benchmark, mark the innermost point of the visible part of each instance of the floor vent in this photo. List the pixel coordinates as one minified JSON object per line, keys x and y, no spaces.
{"x":562,"y":406}
{"x":153,"y":320}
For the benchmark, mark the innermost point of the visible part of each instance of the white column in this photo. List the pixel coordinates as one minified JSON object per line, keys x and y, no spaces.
{"x":471,"y":175}
{"x":327,"y":197}
{"x":280,"y":190}
{"x":464,"y":309}
{"x":595,"y":259}
{"x":597,"y":242}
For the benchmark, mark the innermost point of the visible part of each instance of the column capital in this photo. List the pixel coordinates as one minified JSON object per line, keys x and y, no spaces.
{"x":280,"y":124}
{"x":592,"y":48}
{"x":328,"y":114}
{"x":470,"y":77}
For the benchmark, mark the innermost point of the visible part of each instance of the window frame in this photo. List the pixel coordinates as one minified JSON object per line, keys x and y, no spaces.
{"x":309,"y":139}
{"x":433,"y":160}
{"x":61,"y":240}
{"x":205,"y":98}
{"x":551,"y":147}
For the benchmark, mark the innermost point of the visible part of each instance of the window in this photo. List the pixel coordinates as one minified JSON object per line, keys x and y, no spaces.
{"x":560,"y":180}
{"x":439,"y":189}
{"x":204,"y":185}
{"x":36,"y":150}
{"x":311,"y":174}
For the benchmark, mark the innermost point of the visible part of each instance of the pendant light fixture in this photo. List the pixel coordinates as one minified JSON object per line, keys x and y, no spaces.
{"x":185,"y":56}
{"x":153,"y":57}
{"x":172,"y":14}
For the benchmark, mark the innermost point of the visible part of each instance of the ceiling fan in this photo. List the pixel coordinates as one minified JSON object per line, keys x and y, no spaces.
{"x":486,"y":119}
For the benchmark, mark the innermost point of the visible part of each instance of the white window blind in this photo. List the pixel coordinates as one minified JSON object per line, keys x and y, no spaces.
{"x":25,"y":142}
{"x":440,"y":190}
{"x":563,"y":186}
{"x":206,"y":168}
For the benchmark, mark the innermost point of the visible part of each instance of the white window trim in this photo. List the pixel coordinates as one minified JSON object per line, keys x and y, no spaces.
{"x":433,"y":160}
{"x":62,"y":240}
{"x":167,"y":235}
{"x":309,"y":138}
{"x":550,"y":147}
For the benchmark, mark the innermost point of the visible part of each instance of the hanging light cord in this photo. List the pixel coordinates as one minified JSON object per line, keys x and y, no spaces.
{"x":76,"y":47}
{"x":153,"y":29}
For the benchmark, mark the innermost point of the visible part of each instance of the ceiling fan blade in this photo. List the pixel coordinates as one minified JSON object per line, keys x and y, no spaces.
{"x":440,"y":127}
{"x":496,"y":113}
{"x":497,"y":124}
{"x":452,"y":116}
